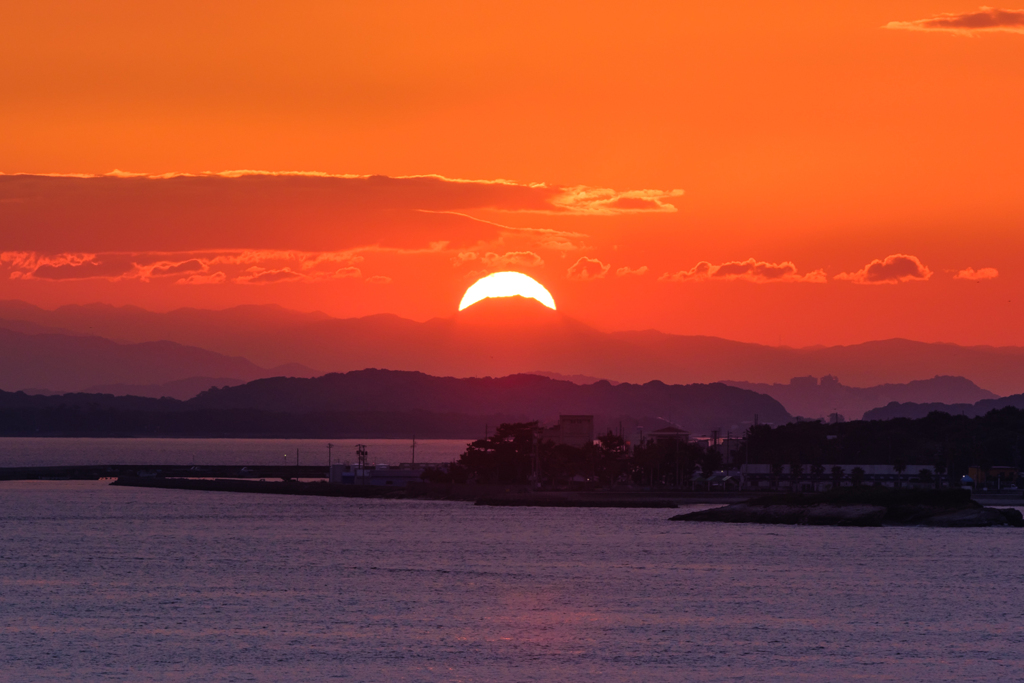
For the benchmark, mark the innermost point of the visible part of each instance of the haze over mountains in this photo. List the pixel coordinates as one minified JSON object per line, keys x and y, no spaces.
{"x":58,"y":363}
{"x":493,"y":338}
{"x":814,"y":398}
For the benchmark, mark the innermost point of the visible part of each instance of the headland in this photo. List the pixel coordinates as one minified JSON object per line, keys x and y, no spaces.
{"x":863,"y":507}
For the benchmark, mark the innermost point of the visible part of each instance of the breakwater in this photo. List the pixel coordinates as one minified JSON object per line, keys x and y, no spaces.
{"x":289,"y":488}
{"x":863,"y":507}
{"x":94,"y":472}
{"x":481,"y":494}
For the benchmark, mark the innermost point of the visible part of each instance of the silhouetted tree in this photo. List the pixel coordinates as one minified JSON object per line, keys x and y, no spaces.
{"x":776,"y":469}
{"x":857,"y":476}
{"x":613,"y":458}
{"x":503,"y":458}
{"x":900,"y":467}
{"x":710,"y":461}
{"x":817,"y":470}
{"x":837,"y":477}
{"x":796,"y":470}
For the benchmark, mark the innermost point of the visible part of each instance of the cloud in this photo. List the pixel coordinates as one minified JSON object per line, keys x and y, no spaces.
{"x":587,"y":269}
{"x":513,"y":258}
{"x":606,"y":201}
{"x":980,"y":274}
{"x":197,"y":279}
{"x":493,"y":260}
{"x":891,"y":270}
{"x":750,"y":270}
{"x":379,"y":279}
{"x":348,"y":271}
{"x":258,"y":276}
{"x":68,"y":266}
{"x":167,"y":268}
{"x":985,"y":20}
{"x":626,"y":270}
{"x":303,"y":211}
{"x":464,"y":257}
{"x":242,"y":266}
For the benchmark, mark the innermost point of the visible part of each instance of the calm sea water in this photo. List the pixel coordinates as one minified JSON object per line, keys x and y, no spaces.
{"x":102,"y":583}
{"x":28,"y":452}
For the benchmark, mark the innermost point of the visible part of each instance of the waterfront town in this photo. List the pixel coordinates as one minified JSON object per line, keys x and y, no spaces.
{"x":806,"y":457}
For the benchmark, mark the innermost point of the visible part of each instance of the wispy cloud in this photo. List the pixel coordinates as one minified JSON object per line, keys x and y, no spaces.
{"x":751,"y":270}
{"x":985,"y":20}
{"x":508,"y":259}
{"x":587,"y":269}
{"x":891,"y":270}
{"x":606,"y":201}
{"x":243,"y":266}
{"x":626,"y":270}
{"x":262,"y":276}
{"x":980,"y":274}
{"x":201,"y":279}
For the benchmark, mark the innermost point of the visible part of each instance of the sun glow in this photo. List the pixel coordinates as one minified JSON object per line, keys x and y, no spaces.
{"x":506,"y":283}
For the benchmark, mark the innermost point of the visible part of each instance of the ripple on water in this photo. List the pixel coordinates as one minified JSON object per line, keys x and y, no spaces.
{"x":110,"y":583}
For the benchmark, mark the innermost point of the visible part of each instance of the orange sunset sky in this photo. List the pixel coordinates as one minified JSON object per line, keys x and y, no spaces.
{"x":791,"y":172}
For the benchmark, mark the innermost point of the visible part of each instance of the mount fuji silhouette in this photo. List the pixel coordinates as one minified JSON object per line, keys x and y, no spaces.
{"x":500,"y":337}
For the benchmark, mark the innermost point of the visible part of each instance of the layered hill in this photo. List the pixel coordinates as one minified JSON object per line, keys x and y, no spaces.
{"x":819,"y":398}
{"x":389,"y":403}
{"x":916,"y":411}
{"x":493,"y":338}
{"x":697,"y":407}
{"x":70,"y":363}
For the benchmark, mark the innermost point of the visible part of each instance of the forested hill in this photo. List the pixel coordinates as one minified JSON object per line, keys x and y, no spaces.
{"x":916,"y":411}
{"x":386,"y":403}
{"x":696,"y":407}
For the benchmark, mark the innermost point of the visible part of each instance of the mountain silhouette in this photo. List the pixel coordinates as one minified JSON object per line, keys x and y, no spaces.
{"x":915,"y":411}
{"x":814,"y":398}
{"x":181,"y":389}
{"x":462,"y":345}
{"x":388,"y":403}
{"x":697,"y":407}
{"x":66,"y":363}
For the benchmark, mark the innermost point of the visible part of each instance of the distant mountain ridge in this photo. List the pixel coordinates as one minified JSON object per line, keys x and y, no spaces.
{"x":393,"y":394}
{"x":66,"y":363}
{"x":915,"y":411}
{"x":181,"y":389}
{"x":270,"y":336}
{"x":814,"y":398}
{"x":697,"y":407}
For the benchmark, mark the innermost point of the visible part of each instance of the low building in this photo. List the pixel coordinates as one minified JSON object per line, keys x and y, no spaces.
{"x":997,"y":476}
{"x":377,"y":475}
{"x":760,"y":476}
{"x":670,"y":435}
{"x":572,"y":430}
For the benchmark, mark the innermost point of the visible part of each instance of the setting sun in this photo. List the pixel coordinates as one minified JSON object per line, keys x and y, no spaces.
{"x":507,"y":283}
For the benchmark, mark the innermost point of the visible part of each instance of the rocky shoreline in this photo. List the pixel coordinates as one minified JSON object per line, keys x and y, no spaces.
{"x":868,"y":507}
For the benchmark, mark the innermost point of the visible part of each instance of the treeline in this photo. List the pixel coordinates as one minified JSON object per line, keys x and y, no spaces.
{"x":940,"y":441}
{"x":515,"y":455}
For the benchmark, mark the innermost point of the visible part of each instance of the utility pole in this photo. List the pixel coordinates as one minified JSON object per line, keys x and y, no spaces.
{"x":535,"y":459}
{"x":361,"y":457}
{"x":329,"y":447}
{"x":413,"y":449}
{"x":297,"y":458}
